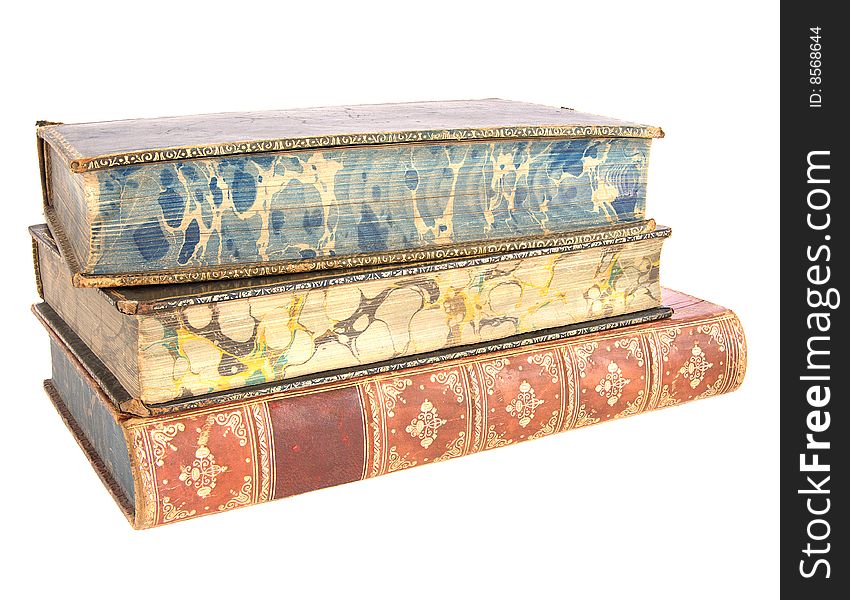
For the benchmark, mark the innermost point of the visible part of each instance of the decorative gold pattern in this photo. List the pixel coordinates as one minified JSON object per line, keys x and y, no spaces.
{"x":454,"y":449}
{"x":633,"y":407}
{"x":714,"y":331}
{"x":391,"y":391}
{"x":477,"y":403}
{"x":740,"y":346}
{"x":451,"y":379}
{"x":634,"y":347}
{"x":583,"y":352}
{"x":233,"y":423}
{"x":159,"y":501}
{"x":265,"y":445}
{"x":711,"y":389}
{"x":585,"y":418}
{"x":495,"y":439}
{"x":546,"y":360}
{"x":396,"y":462}
{"x":666,"y":338}
{"x":666,"y":398}
{"x":522,"y":407}
{"x":203,"y":472}
{"x":611,"y":386}
{"x":490,"y":370}
{"x":694,"y":370}
{"x":161,"y":436}
{"x":79,"y":164}
{"x":425,"y":425}
{"x":369,"y":388}
{"x":174,"y":513}
{"x":240,"y":498}
{"x":548,"y":428}
{"x":568,"y":389}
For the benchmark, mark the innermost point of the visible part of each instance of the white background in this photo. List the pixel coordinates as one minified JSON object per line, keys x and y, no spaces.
{"x":681,"y":503}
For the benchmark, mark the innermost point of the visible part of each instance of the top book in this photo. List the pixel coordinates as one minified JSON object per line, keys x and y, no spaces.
{"x":229,"y":195}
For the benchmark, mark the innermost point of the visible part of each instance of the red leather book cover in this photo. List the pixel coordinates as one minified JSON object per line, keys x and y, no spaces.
{"x":211,"y":460}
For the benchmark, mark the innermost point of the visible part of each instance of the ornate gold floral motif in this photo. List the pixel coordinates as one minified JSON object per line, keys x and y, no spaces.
{"x":491,"y":370}
{"x":204,"y":471}
{"x":694,"y":370}
{"x":523,"y":406}
{"x":585,"y":418}
{"x":172,"y":513}
{"x":666,"y":398}
{"x":233,"y":423}
{"x":711,"y":389}
{"x":666,"y":337}
{"x":161,"y":436}
{"x":392,"y":389}
{"x":548,"y":362}
{"x":548,"y":428}
{"x":583,"y":352}
{"x":632,"y":408}
{"x":454,"y":449}
{"x":424,"y":426}
{"x":633,"y":347}
{"x":611,"y":386}
{"x":241,"y":498}
{"x":495,"y":439}
{"x":452,"y":380}
{"x":714,"y":331}
{"x":396,"y":462}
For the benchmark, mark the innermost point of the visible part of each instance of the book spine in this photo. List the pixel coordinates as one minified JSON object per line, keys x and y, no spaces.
{"x":217,"y":459}
{"x":66,"y":208}
{"x":41,"y":146}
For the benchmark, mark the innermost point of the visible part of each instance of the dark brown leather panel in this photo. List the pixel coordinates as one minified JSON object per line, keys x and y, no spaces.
{"x":318,"y":440}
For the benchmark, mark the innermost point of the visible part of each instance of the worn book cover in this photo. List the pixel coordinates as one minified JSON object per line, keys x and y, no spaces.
{"x":190,"y":463}
{"x":175,"y":342}
{"x":247,"y":194}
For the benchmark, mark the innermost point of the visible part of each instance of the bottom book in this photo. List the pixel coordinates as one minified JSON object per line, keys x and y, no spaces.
{"x":202,"y":461}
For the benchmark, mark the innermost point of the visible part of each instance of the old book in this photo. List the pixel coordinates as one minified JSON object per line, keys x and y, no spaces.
{"x":204,"y":461}
{"x":246,"y":194}
{"x":178,"y":341}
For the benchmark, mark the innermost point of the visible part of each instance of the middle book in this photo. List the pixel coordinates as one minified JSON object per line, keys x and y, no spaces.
{"x":186,"y":340}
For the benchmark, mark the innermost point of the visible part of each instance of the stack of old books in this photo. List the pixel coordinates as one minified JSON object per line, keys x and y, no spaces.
{"x":248,"y":306}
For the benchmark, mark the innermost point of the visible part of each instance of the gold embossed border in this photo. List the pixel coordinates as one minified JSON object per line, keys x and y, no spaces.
{"x":79,"y":164}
